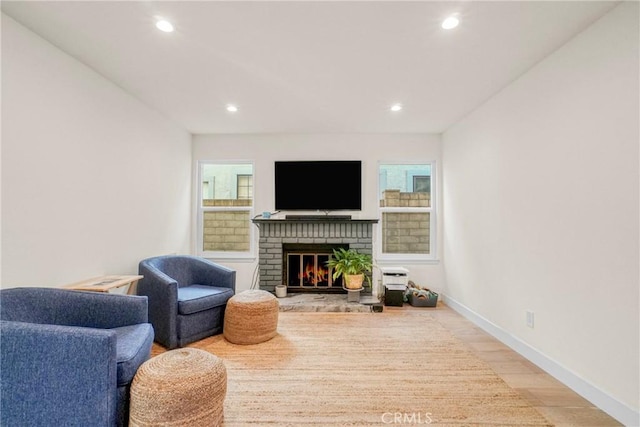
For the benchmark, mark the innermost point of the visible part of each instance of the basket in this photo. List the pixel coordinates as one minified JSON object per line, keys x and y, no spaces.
{"x":429,"y":300}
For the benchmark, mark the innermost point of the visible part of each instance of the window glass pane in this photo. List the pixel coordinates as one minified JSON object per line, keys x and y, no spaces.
{"x":225,"y":210}
{"x":406,"y":204}
{"x":406,"y":232}
{"x":226,"y":231}
{"x":405,"y":185}
{"x":227,"y":184}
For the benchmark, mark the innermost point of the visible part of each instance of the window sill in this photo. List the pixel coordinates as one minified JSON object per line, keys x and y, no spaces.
{"x":249,"y":258}
{"x":407,"y":261}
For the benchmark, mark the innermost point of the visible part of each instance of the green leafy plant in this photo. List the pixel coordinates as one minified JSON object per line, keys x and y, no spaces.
{"x":350,"y":262}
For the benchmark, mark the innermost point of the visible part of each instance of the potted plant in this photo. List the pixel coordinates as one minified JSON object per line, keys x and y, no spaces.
{"x":352,"y":265}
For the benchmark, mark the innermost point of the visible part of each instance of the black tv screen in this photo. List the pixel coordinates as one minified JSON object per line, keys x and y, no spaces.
{"x":324,"y":185}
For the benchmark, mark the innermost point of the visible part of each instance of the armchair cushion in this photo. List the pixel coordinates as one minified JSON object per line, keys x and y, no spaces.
{"x":194,"y":298}
{"x":132,"y":344}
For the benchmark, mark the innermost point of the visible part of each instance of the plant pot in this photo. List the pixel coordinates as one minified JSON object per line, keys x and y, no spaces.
{"x":353,"y":281}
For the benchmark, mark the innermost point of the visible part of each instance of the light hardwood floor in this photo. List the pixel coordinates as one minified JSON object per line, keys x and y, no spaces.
{"x":558,"y":403}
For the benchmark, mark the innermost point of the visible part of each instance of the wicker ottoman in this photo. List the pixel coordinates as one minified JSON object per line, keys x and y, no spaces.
{"x":183,"y":387}
{"x":251,"y":317}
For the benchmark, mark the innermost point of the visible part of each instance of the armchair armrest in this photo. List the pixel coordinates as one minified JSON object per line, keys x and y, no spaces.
{"x":162,"y":293}
{"x":33,"y":390}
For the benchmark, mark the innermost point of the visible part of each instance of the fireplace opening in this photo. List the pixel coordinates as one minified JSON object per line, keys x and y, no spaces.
{"x":305,"y":270}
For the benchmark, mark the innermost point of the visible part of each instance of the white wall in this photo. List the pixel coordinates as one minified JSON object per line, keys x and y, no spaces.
{"x":92,"y":180}
{"x":264,"y":150}
{"x":541,"y":209}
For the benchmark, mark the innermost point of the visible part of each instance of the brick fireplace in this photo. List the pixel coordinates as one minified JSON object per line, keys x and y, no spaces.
{"x":288,"y":246}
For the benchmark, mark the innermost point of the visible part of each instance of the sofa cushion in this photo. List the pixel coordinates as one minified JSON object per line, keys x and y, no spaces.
{"x":133,"y":347}
{"x":195,"y":298}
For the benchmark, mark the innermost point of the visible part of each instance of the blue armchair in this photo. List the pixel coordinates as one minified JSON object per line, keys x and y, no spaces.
{"x":187,"y":297}
{"x":68,"y":357}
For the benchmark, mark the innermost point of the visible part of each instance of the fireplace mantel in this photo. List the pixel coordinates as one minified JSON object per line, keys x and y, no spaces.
{"x":314,"y":219}
{"x":322,"y":230}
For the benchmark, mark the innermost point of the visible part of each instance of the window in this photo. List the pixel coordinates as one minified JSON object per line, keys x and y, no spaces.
{"x":225,"y":210}
{"x":421,"y":184}
{"x":245,"y":186}
{"x":407,"y":226}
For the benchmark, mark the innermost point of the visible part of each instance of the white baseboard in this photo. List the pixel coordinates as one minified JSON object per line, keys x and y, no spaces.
{"x":616,"y":409}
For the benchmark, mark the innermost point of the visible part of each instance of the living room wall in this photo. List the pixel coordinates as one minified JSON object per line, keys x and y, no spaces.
{"x":541,"y":213}
{"x":92,"y":179}
{"x":265,"y":149}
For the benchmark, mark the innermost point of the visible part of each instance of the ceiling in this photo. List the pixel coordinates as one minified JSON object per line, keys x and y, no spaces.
{"x":309,"y":66}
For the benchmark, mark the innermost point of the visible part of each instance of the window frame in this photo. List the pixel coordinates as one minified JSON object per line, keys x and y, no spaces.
{"x":432,"y":210}
{"x":201,"y":209}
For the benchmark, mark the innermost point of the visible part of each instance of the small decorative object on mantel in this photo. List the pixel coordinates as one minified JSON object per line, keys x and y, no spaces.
{"x":353,"y":265}
{"x":419,"y":296}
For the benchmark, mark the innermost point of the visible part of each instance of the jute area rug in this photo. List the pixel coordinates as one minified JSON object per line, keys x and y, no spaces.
{"x":363,"y":369}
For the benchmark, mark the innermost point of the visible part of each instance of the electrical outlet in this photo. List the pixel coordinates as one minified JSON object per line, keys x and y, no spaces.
{"x":530,"y":318}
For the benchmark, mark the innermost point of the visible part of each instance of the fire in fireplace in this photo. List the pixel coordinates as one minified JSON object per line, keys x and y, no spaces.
{"x":306,"y":270}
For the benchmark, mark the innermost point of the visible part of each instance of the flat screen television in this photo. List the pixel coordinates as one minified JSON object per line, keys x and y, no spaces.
{"x":320,"y":185}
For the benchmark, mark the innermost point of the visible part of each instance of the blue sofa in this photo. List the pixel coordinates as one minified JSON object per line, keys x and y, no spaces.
{"x":68,"y":357}
{"x":187,"y":297}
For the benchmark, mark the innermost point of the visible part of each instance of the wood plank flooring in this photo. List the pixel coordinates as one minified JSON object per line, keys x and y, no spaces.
{"x":558,"y":403}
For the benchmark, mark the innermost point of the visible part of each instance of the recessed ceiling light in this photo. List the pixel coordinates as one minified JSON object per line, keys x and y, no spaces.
{"x":232,"y":108}
{"x":450,"y":22}
{"x":164,"y":25}
{"x":396,"y":107}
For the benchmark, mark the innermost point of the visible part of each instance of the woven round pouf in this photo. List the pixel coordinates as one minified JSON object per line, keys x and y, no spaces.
{"x":183,"y":387}
{"x":251,"y":317}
